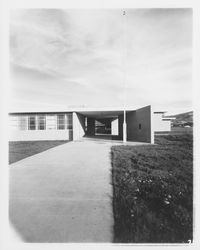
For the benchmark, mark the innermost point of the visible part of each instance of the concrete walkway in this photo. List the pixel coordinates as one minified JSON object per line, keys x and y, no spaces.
{"x":63,"y":194}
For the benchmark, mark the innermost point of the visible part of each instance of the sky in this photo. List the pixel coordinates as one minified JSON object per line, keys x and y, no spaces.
{"x":62,"y":58}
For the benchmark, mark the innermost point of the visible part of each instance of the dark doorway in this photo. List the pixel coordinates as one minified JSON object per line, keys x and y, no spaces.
{"x":103,"y":127}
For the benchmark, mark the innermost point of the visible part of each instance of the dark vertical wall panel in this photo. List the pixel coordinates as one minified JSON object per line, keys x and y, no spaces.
{"x":90,"y":126}
{"x":121,"y":120}
{"x":139,"y":125}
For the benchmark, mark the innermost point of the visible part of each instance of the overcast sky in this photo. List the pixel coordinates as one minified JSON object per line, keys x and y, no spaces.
{"x":67,"y":58}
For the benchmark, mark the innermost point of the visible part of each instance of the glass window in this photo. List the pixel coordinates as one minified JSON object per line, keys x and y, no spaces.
{"x":69,"y":126}
{"x":32,"y":122}
{"x":60,"y":121}
{"x":41,"y":122}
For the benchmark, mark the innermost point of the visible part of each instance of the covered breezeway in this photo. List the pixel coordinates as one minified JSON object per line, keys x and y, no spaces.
{"x":130,"y":125}
{"x":98,"y":124}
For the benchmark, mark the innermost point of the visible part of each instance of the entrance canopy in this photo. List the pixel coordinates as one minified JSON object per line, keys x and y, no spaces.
{"x":133,"y":125}
{"x":102,"y":122}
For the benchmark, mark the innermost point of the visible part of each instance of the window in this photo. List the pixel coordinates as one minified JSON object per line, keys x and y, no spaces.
{"x":69,"y":126}
{"x":41,"y":122}
{"x":140,"y":126}
{"x":32,"y":123}
{"x":60,"y":121}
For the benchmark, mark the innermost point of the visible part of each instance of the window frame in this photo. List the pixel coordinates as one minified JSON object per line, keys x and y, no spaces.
{"x":61,"y":125}
{"x":39,"y":120}
{"x":29,"y":122}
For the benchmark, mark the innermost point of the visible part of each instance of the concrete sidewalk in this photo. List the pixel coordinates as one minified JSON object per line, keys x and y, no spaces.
{"x":63,"y":194}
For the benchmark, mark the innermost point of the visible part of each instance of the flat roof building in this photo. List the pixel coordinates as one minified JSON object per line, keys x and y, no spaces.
{"x":74,"y":124}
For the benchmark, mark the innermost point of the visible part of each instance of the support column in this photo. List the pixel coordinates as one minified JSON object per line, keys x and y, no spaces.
{"x":124,"y":128}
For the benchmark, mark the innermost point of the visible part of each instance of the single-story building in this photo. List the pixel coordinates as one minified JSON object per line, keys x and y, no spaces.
{"x":162,"y":123}
{"x":79,"y":123}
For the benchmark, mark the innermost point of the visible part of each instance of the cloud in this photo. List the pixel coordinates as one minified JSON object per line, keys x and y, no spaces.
{"x":81,"y":53}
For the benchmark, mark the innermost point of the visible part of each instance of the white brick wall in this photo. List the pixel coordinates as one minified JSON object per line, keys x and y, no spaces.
{"x":19,"y":131}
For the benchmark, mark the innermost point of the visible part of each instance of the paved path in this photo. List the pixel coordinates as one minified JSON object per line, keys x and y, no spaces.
{"x":63,"y":194}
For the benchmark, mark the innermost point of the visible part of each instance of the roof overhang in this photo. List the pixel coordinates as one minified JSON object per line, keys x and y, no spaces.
{"x":89,"y":112}
{"x":102,"y":114}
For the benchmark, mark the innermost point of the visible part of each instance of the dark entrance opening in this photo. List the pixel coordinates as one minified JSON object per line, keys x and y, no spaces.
{"x":103,"y":124}
{"x":103,"y":127}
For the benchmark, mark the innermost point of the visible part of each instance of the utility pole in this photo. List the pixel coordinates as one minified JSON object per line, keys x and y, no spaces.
{"x":124,"y":78}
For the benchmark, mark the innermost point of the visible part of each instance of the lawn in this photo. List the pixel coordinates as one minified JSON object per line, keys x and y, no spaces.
{"x":153,"y":191}
{"x":22,"y":149}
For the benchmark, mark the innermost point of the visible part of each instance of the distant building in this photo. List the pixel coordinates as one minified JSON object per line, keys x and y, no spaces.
{"x":162,"y":123}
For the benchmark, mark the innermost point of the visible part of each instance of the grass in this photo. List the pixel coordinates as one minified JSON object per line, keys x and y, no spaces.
{"x":22,"y":149}
{"x":153,"y":191}
{"x":177,"y":131}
